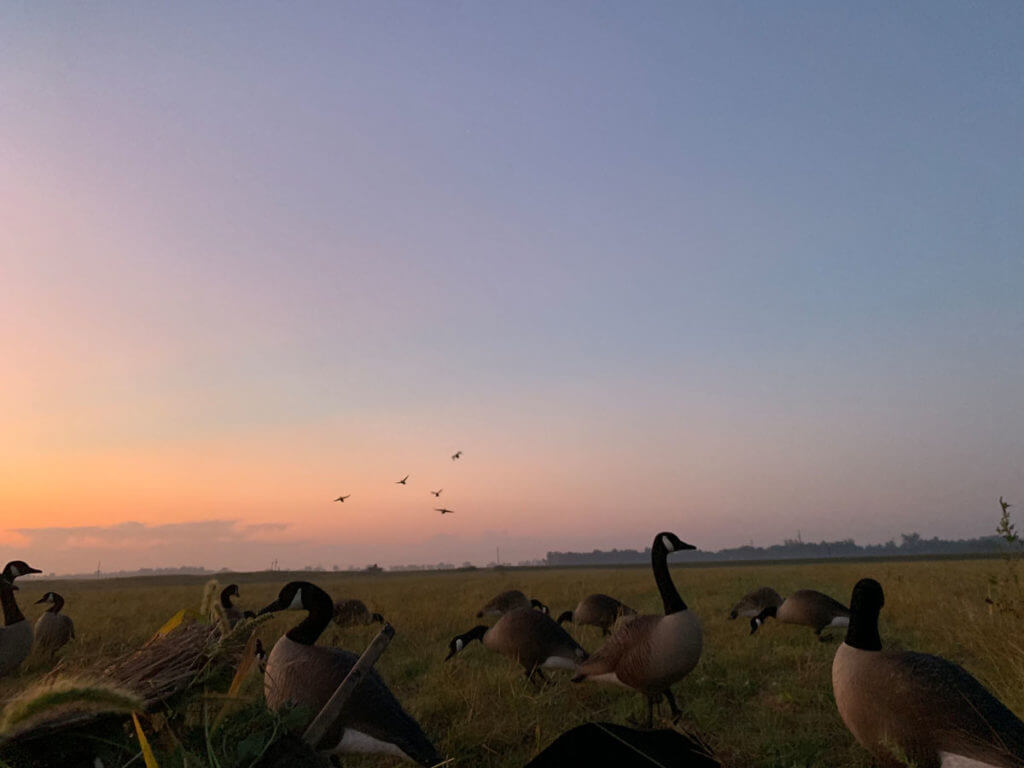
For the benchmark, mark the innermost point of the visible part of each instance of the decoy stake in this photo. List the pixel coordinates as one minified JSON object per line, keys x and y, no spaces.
{"x":318,"y":728}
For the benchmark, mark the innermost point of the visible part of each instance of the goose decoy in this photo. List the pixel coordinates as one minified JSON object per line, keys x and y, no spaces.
{"x":599,"y":611}
{"x":807,"y":607}
{"x":231,"y":613}
{"x":456,"y":455}
{"x":53,"y":628}
{"x":402,"y":481}
{"x":437,"y":493}
{"x":916,"y":709}
{"x":302,"y":673}
{"x":509,"y":601}
{"x":17,"y":568}
{"x":752,"y":603}
{"x":650,"y":652}
{"x":528,"y":637}
{"x":16,"y":633}
{"x":342,"y":498}
{"x":349,"y":613}
{"x":444,"y":511}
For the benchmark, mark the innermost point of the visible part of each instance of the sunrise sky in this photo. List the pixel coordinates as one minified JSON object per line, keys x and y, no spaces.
{"x":734,"y":270}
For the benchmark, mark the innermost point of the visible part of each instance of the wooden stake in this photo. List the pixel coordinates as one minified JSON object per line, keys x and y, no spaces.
{"x":316,"y":730}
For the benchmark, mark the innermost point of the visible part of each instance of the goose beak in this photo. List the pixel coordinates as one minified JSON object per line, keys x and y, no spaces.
{"x":274,"y":606}
{"x":451,"y":653}
{"x":40,"y":600}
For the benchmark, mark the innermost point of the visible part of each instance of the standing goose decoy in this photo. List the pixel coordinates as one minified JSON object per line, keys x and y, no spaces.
{"x":302,"y":673}
{"x":509,"y":601}
{"x":752,"y":603}
{"x":807,"y":607}
{"x":15,"y":634}
{"x":529,"y":637}
{"x":348,"y":613}
{"x":915,"y":708}
{"x":53,"y":628}
{"x":599,"y":611}
{"x":650,"y":652}
{"x":231,"y":612}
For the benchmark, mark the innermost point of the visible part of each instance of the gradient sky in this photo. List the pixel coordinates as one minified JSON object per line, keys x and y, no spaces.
{"x":734,"y":270}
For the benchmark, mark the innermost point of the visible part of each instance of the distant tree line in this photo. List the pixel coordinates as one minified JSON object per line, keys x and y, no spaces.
{"x":793,"y":549}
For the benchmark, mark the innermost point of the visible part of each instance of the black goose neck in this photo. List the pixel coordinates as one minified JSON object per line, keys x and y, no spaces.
{"x":476,"y":633}
{"x":225,"y":599}
{"x":669,"y":594}
{"x":320,"y":607}
{"x":863,"y":630}
{"x":58,"y":603}
{"x":12,"y":613}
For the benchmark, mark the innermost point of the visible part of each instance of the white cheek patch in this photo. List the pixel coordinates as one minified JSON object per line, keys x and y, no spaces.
{"x":667,"y":543}
{"x":296,"y":604}
{"x":15,"y":573}
{"x":458,"y":644}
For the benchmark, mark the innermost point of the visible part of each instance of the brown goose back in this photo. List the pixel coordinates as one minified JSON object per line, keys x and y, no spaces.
{"x":348,"y":613}
{"x":52,"y":631}
{"x":503,"y":603}
{"x":534,"y":640}
{"x":812,"y":609}
{"x":600,"y":611}
{"x":752,"y":603}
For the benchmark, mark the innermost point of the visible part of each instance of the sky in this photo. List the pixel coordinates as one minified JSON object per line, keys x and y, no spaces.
{"x":733,"y":270}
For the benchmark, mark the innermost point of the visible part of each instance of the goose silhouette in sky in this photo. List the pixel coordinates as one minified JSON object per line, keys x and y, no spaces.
{"x":342,"y":498}
{"x":402,"y":481}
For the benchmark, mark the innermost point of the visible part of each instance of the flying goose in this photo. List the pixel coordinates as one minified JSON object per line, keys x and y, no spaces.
{"x":807,"y":607}
{"x":305,"y":674}
{"x":915,"y":708}
{"x":342,"y":498}
{"x":348,"y":613}
{"x":597,"y":610}
{"x":752,"y":603}
{"x":651,"y":652}
{"x":509,"y":601}
{"x":53,"y":628}
{"x":16,"y":633}
{"x":529,"y":637}
{"x":456,"y":455}
{"x":231,"y":613}
{"x":444,"y":511}
{"x":402,"y":481}
{"x":437,"y":493}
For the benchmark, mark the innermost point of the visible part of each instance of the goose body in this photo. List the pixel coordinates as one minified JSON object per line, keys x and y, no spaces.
{"x":907,"y":707}
{"x":809,"y":608}
{"x":651,"y":652}
{"x":301,"y":673}
{"x":53,"y":629}
{"x":528,"y":637}
{"x":231,"y":612}
{"x":509,"y":601}
{"x":16,"y":633}
{"x":752,"y":603}
{"x":349,"y":613}
{"x":597,"y":610}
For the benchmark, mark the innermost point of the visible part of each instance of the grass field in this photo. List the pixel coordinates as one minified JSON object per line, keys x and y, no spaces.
{"x":762,"y":700}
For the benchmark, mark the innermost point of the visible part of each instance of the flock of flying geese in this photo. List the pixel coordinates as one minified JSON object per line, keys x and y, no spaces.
{"x":904,"y":707}
{"x":437,"y":494}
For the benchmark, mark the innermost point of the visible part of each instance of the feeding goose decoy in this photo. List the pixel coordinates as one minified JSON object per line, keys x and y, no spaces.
{"x":650,"y":653}
{"x":509,"y":601}
{"x":808,"y":607}
{"x":53,"y":628}
{"x":915,"y":708}
{"x":597,"y":610}
{"x":349,"y":613}
{"x":302,"y":673}
{"x":528,"y":637}
{"x":16,"y":633}
{"x":752,"y":603}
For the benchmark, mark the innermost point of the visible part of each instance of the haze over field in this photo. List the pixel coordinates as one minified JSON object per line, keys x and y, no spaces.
{"x":728,"y":270}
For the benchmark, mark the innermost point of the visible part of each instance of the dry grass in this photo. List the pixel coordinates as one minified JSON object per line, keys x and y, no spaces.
{"x":764,"y":700}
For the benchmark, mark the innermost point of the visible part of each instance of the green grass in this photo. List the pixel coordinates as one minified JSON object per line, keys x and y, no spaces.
{"x":762,"y":700}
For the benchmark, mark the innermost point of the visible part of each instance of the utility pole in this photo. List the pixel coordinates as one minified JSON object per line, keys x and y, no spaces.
{"x":497,"y":551}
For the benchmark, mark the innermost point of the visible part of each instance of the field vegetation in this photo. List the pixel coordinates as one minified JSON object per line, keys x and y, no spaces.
{"x":761,"y":700}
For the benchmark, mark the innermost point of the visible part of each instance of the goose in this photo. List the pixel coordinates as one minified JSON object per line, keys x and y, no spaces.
{"x":348,"y":613}
{"x":807,"y":607}
{"x":402,"y":481}
{"x":342,"y":498}
{"x":597,"y":610}
{"x":752,"y":603}
{"x":509,"y":601}
{"x":907,"y":707}
{"x":302,"y":673}
{"x":651,"y":652}
{"x":231,"y":613}
{"x":16,"y":633}
{"x":456,"y":455}
{"x":53,"y":628}
{"x":529,"y":637}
